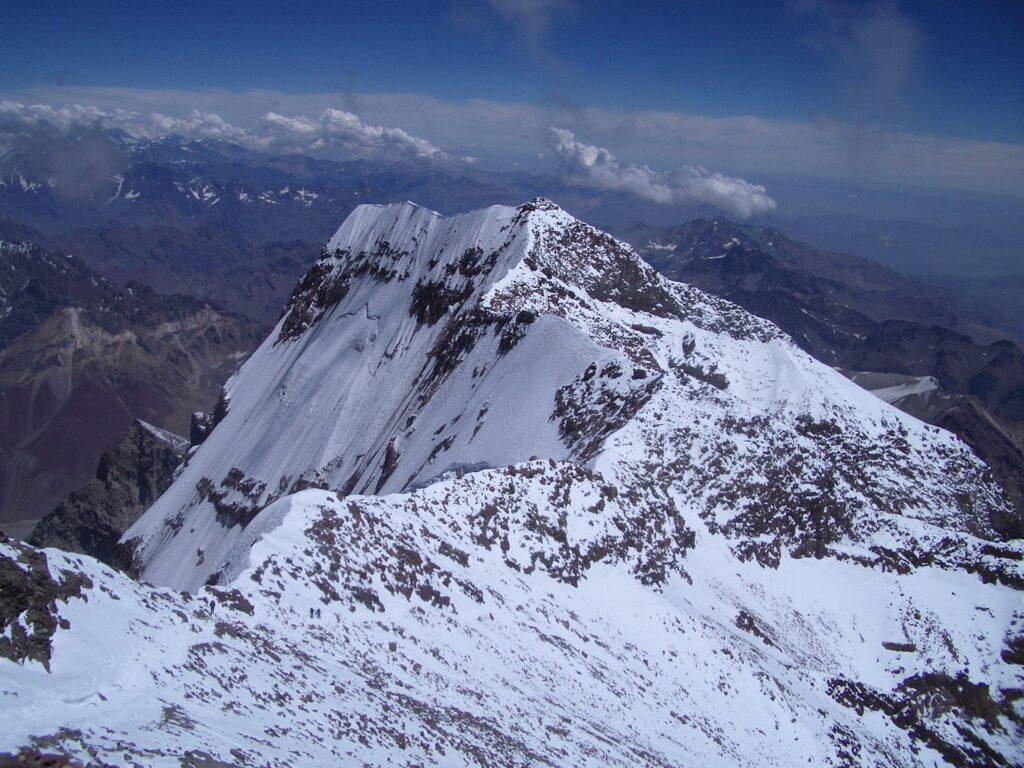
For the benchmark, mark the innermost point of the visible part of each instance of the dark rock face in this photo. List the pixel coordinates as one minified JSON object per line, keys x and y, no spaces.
{"x":129,"y":479}
{"x":592,"y":407}
{"x":125,"y":558}
{"x":34,"y":758}
{"x":236,"y":498}
{"x":202,"y":424}
{"x":328,"y":281}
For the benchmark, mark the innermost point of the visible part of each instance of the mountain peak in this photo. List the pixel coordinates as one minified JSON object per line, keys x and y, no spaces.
{"x":420,"y":345}
{"x":451,"y":259}
{"x":539,"y":204}
{"x":503,"y":425}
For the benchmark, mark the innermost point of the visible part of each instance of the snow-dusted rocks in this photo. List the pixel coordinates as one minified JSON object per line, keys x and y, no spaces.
{"x":419,"y":345}
{"x":564,"y":512}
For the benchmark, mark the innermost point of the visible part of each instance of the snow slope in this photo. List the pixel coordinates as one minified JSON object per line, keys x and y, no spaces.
{"x":451,"y":635}
{"x":662,"y":535}
{"x":420,"y":344}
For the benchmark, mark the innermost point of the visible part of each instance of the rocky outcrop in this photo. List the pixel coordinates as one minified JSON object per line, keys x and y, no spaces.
{"x":862,"y":317}
{"x":29,"y":593}
{"x":999,"y":442}
{"x":129,"y":479}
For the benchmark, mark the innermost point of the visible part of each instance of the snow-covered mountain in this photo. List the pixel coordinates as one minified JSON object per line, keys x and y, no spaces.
{"x":553,"y":509}
{"x":868,"y":320}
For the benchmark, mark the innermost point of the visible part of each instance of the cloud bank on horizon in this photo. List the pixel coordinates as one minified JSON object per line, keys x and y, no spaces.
{"x":580,"y":164}
{"x":596,"y":167}
{"x":332,"y":128}
{"x":504,"y":135}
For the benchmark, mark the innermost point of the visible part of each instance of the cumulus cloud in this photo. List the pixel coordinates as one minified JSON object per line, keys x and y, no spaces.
{"x":15,"y":114}
{"x":21,"y":122}
{"x":332,"y":129}
{"x":336,"y":128}
{"x":596,"y":167}
{"x":198,"y":125}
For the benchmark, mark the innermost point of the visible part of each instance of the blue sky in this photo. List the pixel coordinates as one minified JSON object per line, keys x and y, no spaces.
{"x":957,"y":69}
{"x":710,"y":101}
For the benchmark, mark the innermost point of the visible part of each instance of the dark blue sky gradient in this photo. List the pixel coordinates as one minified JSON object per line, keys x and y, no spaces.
{"x":713,"y":58}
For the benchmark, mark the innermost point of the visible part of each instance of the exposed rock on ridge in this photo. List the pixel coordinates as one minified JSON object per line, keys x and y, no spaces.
{"x":861,"y":317}
{"x":129,"y":479}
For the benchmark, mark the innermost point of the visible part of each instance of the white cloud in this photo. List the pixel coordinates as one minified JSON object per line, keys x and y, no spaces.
{"x":198,"y":125}
{"x":332,"y":129}
{"x":504,"y":134}
{"x":596,"y":167}
{"x":62,"y":116}
{"x":336,"y":128}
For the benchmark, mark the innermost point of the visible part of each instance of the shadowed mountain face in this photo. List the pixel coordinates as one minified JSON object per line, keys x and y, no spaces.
{"x":208,"y":262}
{"x":129,"y":479}
{"x":82,"y":358}
{"x":862,"y":317}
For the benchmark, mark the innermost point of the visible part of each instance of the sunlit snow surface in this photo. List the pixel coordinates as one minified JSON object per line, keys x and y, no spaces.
{"x":725,"y":553}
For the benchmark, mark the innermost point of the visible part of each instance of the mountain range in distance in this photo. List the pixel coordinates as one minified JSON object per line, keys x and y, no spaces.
{"x":82,"y":359}
{"x":181,"y":214}
{"x":236,"y":229}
